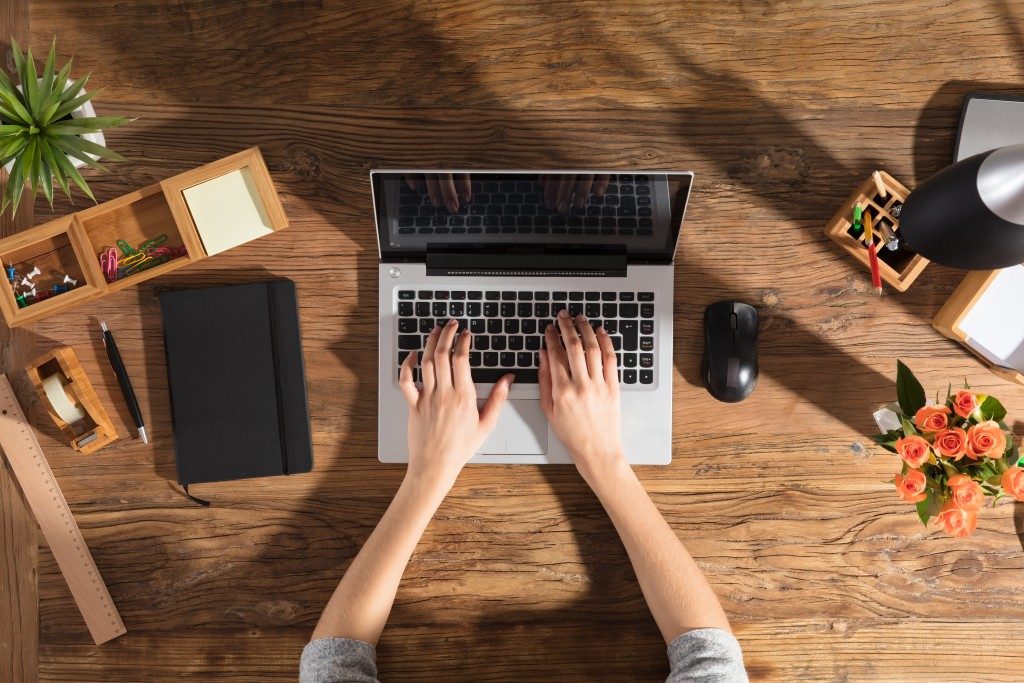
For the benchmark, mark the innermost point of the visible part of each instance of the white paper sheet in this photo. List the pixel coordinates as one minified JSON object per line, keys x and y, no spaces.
{"x":227,"y":211}
{"x":995,"y":325}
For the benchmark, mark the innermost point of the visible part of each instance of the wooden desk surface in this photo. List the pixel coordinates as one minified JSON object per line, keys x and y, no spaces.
{"x":781,"y":108}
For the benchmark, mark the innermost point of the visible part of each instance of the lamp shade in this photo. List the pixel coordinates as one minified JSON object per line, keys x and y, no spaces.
{"x":970,"y":215}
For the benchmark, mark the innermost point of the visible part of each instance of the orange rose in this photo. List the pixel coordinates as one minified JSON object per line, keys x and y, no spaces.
{"x":956,"y":521}
{"x":965,"y":402}
{"x":951,"y":443}
{"x":1013,"y":482}
{"x":932,"y":418}
{"x":914,"y":450}
{"x":985,"y":440}
{"x":966,"y":492}
{"x":911,"y":487}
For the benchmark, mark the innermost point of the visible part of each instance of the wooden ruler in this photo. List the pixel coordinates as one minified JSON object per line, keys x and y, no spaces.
{"x":25,"y":456}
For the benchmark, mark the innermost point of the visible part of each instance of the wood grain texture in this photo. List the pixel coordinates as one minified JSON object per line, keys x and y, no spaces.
{"x":19,"y":603}
{"x":781,"y":498}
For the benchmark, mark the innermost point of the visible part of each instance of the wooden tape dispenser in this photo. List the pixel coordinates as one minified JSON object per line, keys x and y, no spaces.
{"x":70,"y":400}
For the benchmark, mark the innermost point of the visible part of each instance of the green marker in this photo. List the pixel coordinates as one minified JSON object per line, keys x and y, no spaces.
{"x":22,"y":303}
{"x":858,"y":224}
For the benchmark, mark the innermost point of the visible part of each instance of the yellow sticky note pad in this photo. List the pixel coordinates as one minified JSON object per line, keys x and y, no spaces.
{"x":227,"y":211}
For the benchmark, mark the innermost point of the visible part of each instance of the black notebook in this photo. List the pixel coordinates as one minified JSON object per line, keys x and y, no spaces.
{"x":238,"y":388}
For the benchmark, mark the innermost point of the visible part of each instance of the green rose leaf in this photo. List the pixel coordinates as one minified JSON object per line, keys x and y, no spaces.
{"x":909,"y":392}
{"x":992,"y":409}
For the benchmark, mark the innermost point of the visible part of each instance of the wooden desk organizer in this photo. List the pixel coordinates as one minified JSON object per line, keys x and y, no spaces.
{"x":70,"y":245}
{"x":93,"y":431}
{"x":900,"y":268}
{"x":950,"y":317}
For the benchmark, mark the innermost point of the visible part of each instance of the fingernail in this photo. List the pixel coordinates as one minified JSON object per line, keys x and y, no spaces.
{"x":436,"y":328}
{"x":550,"y":327}
{"x":563,"y":206}
{"x":563,"y":313}
{"x":453,"y":207}
{"x":465,"y":197}
{"x":510,"y":378}
{"x":453,"y":321}
{"x":600,"y":330}
{"x":580,"y":317}
{"x":580,"y":201}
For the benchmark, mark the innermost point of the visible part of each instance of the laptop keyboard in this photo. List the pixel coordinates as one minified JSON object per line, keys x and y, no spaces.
{"x":508,"y":327}
{"x":508,"y":204}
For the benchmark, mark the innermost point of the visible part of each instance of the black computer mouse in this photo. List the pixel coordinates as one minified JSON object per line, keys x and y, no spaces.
{"x":729,"y":368}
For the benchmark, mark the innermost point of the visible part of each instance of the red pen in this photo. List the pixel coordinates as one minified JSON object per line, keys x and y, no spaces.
{"x":869,"y":239}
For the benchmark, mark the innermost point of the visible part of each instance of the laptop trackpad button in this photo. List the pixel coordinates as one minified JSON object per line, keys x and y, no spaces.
{"x":522,"y":429}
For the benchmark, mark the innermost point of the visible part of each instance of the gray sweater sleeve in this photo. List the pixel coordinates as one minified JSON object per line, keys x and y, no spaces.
{"x":338,"y":660}
{"x":706,"y":655}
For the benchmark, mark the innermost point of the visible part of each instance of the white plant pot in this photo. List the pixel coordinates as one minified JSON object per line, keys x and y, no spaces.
{"x":86,"y":110}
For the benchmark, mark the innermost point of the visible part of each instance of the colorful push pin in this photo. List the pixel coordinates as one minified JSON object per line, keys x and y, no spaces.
{"x":42,"y":295}
{"x":32,"y":273}
{"x":12,"y":274}
{"x":30,"y":293}
{"x":59,"y":289}
{"x":68,"y":280}
{"x":20,"y":299}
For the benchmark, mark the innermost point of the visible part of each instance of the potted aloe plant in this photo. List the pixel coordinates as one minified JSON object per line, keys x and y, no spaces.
{"x":48,"y":129}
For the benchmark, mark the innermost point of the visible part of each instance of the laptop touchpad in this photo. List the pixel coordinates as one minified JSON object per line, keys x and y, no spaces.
{"x":522,"y":429}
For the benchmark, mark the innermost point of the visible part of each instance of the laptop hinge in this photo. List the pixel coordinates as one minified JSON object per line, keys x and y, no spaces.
{"x":533,"y":262}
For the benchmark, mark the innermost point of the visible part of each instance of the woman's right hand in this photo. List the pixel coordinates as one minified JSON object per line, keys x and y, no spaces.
{"x":579,"y":392}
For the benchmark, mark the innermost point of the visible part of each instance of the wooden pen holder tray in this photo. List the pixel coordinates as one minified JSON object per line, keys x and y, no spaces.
{"x":191,"y":216}
{"x":898,"y":268}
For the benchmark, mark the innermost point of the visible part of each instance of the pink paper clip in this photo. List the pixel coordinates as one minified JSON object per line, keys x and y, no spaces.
{"x":108,"y":263}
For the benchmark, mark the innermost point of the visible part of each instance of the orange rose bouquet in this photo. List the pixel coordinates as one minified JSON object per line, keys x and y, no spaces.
{"x":954,"y":454}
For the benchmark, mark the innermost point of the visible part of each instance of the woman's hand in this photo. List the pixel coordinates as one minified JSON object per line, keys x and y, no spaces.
{"x":444,"y":189}
{"x":579,"y":392}
{"x":445,"y":426}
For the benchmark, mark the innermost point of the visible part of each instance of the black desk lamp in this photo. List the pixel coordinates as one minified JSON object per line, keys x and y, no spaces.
{"x":970,"y":215}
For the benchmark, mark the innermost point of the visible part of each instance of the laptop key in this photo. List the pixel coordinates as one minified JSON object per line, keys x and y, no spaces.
{"x":610,"y":310}
{"x":646,"y":310}
{"x":439,"y":309}
{"x":426,"y":325}
{"x":489,"y":376}
{"x":533,"y":343}
{"x":409,"y":342}
{"x":611,"y":326}
{"x":490,"y":360}
{"x":406,"y":325}
{"x":402,"y":355}
{"x":628,"y":310}
{"x":592,"y":296}
{"x":458,"y":296}
{"x":508,"y":310}
{"x":499,"y":343}
{"x":404,"y":308}
{"x":592,"y":310}
{"x":646,"y":327}
{"x":473,"y":308}
{"x":529,"y":326}
{"x":477,"y":326}
{"x":511,"y":326}
{"x":508,"y":359}
{"x":441,"y":295}
{"x":406,"y":294}
{"x":524,"y":359}
{"x":525,"y":296}
{"x":541,"y":296}
{"x":475,"y":359}
{"x":647,"y":360}
{"x":475,"y":295}
{"x":508,"y":296}
{"x":646,"y":343}
{"x":542,"y":310}
{"x":629,"y":376}
{"x":646,"y":377}
{"x":494,"y":326}
{"x":560,"y":296}
{"x":616,"y":343}
{"x":629,"y":360}
{"x":516,"y":343}
{"x":492,"y":296}
{"x":491,"y":309}
{"x":575,"y":309}
{"x":628,"y":329}
{"x":422,"y":308}
{"x":626,"y":296}
{"x":456,"y":309}
{"x":524,"y":310}
{"x":575,"y":296}
{"x":645,"y":296}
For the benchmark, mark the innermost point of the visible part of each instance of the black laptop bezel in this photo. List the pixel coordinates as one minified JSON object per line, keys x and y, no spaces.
{"x":391,"y":255}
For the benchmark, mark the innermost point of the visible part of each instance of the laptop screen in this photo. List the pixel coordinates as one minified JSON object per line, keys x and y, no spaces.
{"x":636,"y":212}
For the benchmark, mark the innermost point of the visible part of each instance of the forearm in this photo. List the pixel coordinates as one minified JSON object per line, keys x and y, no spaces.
{"x":361,"y":603}
{"x":678,"y":594}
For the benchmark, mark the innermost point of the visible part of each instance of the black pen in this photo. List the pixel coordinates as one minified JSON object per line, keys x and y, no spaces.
{"x":122,"y":378}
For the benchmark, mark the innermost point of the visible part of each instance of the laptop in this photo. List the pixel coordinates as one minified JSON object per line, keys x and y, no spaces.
{"x":503,"y":263}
